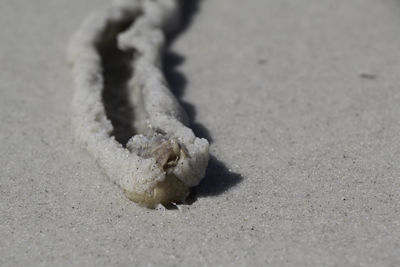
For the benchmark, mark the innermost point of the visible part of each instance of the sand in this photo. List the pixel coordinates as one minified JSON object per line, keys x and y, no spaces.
{"x":300,"y":102}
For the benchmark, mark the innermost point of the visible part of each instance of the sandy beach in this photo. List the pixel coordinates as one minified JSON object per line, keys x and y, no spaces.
{"x":300,"y":103}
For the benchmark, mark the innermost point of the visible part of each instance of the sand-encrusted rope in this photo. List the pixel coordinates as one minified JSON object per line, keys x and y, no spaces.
{"x":164,"y":159}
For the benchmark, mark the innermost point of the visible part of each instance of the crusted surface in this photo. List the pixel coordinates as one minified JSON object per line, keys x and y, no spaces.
{"x":165,"y":158}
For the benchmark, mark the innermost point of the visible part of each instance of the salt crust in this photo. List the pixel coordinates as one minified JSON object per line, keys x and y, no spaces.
{"x":157,"y":111}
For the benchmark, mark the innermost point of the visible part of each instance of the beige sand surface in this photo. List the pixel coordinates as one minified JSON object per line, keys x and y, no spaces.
{"x":300,"y":100}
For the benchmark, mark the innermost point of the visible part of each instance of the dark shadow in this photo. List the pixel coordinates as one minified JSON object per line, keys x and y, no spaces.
{"x":218,"y":178}
{"x":178,"y":82}
{"x":176,"y":79}
{"x":117,"y":72}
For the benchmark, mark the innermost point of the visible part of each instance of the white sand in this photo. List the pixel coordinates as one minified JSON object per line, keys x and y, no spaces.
{"x":276,"y":83}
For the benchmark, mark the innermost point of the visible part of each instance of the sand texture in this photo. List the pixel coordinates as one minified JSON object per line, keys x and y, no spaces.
{"x":300,"y":102}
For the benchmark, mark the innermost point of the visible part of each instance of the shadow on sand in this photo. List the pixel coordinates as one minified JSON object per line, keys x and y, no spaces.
{"x":218,"y":178}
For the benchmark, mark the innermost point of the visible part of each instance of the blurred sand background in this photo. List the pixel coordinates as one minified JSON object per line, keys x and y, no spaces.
{"x":301,"y":103}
